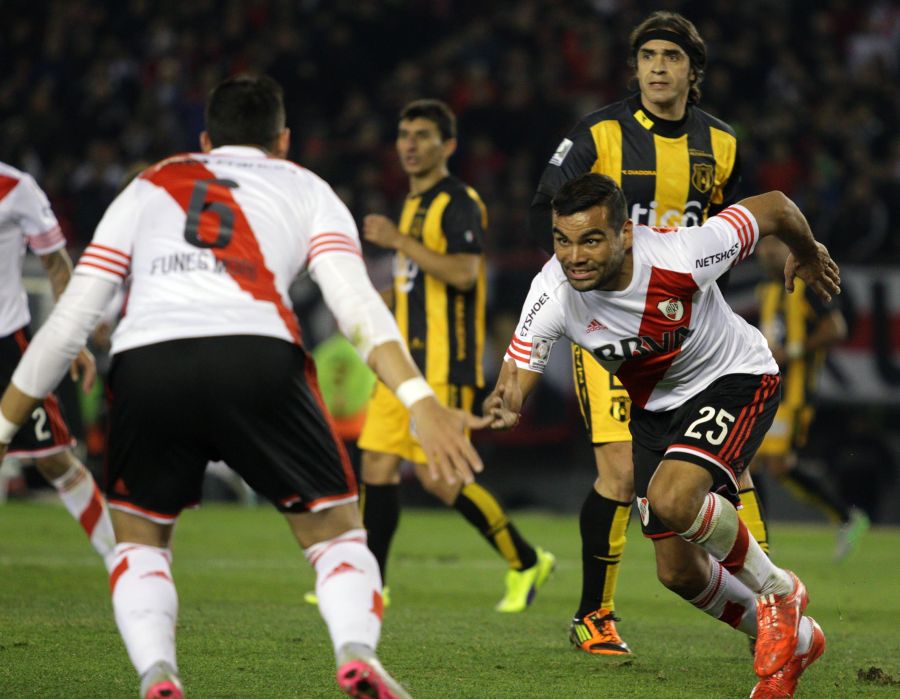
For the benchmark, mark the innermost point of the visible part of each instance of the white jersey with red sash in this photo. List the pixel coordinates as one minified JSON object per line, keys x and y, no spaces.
{"x":210,"y":244}
{"x":26,"y":220}
{"x":667,"y":336}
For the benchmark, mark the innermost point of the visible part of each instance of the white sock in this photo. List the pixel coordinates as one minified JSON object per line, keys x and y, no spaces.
{"x":145,"y":604}
{"x":718,"y":529}
{"x":804,"y":636}
{"x":727,"y":599}
{"x":348,"y":585}
{"x":83,"y":500}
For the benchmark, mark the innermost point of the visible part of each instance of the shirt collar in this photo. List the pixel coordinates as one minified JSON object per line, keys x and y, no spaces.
{"x":241,"y":151}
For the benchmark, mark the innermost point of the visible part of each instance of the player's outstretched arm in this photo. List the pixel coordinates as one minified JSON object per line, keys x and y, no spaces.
{"x":54,"y":347}
{"x":503,"y":407}
{"x":370,"y":327}
{"x":777,"y":215}
{"x":58,"y":266}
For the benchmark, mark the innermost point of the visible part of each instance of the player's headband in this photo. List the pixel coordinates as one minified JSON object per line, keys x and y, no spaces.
{"x":674,"y":37}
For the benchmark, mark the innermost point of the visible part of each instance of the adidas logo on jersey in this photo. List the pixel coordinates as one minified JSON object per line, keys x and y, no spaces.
{"x":595,"y":325}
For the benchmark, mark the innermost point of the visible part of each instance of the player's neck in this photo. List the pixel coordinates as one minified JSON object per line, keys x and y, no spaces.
{"x":623,"y":279}
{"x":427,"y":180}
{"x":670,"y":111}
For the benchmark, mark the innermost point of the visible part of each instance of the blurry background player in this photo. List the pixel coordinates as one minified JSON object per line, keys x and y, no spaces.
{"x":677,"y":165}
{"x":438,"y":298}
{"x":705,"y":389}
{"x":800,"y":328}
{"x":27,"y":220}
{"x":210,"y":242}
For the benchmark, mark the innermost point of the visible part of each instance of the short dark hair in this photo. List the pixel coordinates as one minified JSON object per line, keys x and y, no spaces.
{"x":690,"y":40}
{"x":433,"y":110}
{"x":588,"y":190}
{"x":245,"y":109}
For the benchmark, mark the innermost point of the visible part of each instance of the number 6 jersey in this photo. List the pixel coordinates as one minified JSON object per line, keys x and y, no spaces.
{"x":210,"y":243}
{"x":670,"y":333}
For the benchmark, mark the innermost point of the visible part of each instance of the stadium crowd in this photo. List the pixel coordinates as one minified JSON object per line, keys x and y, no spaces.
{"x":92,"y":88}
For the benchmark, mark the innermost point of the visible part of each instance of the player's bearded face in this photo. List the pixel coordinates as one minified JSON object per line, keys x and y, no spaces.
{"x":591,"y":252}
{"x":420,"y":146}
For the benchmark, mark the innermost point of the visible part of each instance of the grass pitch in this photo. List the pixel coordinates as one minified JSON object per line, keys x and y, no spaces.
{"x":244,"y":630}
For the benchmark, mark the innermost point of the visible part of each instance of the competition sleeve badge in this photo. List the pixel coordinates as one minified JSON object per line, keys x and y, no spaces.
{"x":540,"y":352}
{"x":562,"y":150}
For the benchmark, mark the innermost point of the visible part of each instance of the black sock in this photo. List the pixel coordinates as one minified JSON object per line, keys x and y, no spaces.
{"x":813,"y":487}
{"x":380,"y":505}
{"x":603,"y":523}
{"x":484,"y":513}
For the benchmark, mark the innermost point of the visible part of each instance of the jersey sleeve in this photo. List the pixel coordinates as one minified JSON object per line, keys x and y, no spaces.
{"x":574,"y":156}
{"x":540,"y":325}
{"x":332,"y":229}
{"x":108,"y":255}
{"x":462,"y":225}
{"x":35,"y":217}
{"x":712,"y":249}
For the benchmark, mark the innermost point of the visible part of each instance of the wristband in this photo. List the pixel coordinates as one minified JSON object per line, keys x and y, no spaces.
{"x":8,"y":429}
{"x":412,"y":391}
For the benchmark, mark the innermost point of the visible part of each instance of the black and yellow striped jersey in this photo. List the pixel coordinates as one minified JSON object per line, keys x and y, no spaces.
{"x":673,"y":173}
{"x":786,"y":320}
{"x":443,"y":326}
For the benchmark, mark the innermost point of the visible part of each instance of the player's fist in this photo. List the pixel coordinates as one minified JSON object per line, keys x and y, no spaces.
{"x":381,"y":231}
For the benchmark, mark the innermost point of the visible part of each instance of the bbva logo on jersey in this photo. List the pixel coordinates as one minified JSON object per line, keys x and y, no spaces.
{"x":672,"y":309}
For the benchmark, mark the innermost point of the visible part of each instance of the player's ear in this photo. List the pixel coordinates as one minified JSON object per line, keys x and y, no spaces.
{"x":205,"y":143}
{"x":627,"y":230}
{"x":449,"y":147}
{"x":283,"y":143}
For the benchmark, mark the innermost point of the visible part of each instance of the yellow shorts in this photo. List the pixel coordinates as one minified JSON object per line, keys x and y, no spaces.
{"x":386,"y":429}
{"x":604,"y":402}
{"x":789,"y":430}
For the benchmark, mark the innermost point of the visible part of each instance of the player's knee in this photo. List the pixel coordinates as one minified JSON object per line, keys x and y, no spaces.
{"x":379,"y":469}
{"x":443,"y":491}
{"x":56,"y":465}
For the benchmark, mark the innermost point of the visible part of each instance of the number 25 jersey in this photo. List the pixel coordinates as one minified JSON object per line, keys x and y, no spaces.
{"x":210,"y":243}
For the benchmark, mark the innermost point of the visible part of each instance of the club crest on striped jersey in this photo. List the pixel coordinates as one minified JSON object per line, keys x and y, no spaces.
{"x":540,"y":352}
{"x":644,"y":510}
{"x":702,"y":176}
{"x":672,"y":309}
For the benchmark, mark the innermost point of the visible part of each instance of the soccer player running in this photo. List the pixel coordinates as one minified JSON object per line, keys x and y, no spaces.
{"x":800,"y":329}
{"x":26,"y":220}
{"x":208,"y":364}
{"x":438,"y":297}
{"x":676,"y":165}
{"x":704,"y":390}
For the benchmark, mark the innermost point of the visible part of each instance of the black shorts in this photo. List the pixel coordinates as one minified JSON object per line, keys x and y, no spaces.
{"x":252,"y":402}
{"x":46,"y":432}
{"x":720,"y":430}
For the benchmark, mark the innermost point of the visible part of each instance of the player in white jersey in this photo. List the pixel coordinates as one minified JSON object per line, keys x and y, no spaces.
{"x":208,"y":364}
{"x":27,"y":221}
{"x":704,"y":388}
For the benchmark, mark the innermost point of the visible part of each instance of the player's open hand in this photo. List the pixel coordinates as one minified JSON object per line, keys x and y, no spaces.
{"x":381,"y":231}
{"x":504,"y":404}
{"x":441,"y":432}
{"x":819,"y":271}
{"x":84,"y":367}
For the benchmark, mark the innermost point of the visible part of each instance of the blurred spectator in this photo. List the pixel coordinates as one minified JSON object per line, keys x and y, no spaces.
{"x":91,"y":87}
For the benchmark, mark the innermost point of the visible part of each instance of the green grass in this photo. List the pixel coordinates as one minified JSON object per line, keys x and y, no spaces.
{"x":244,"y":630}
